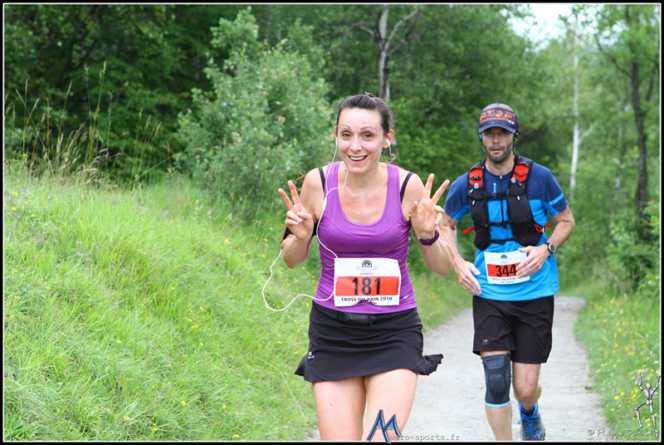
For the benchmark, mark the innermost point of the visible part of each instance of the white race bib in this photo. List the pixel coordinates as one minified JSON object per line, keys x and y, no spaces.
{"x":376,"y":280}
{"x":501,"y":267}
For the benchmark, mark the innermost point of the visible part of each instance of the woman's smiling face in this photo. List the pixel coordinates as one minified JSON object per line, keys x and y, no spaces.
{"x":360,"y":139}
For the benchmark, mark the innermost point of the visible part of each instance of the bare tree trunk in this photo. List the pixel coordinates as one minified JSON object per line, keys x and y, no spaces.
{"x":616,"y":187}
{"x":641,"y":195}
{"x":383,"y":44}
{"x":577,"y":139}
{"x":382,"y":58}
{"x":384,"y":50}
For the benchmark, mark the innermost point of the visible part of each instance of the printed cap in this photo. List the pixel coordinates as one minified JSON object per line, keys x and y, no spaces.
{"x":498,"y":115}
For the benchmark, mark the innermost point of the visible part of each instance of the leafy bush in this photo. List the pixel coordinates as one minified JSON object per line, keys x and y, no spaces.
{"x":649,"y":286}
{"x":264,"y":122}
{"x":630,"y":257}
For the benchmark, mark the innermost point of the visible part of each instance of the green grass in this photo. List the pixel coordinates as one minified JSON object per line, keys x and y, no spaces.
{"x":622,"y":335}
{"x":138,"y":315}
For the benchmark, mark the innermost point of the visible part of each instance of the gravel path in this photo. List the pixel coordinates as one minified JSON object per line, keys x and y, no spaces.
{"x":449,"y":404}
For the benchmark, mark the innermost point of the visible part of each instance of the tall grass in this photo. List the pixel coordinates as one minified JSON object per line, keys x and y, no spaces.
{"x":40,"y":140}
{"x":38,"y":132}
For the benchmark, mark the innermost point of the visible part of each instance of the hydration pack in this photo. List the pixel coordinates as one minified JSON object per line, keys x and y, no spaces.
{"x":519,"y":215}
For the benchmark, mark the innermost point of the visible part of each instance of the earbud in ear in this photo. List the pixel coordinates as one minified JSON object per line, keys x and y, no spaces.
{"x":480,"y":136}
{"x":516,"y":136}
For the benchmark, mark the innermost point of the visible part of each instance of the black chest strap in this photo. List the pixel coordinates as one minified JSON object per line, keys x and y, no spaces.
{"x":519,"y":215}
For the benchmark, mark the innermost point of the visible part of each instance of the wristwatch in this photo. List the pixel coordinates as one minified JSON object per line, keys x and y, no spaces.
{"x":551,"y":247}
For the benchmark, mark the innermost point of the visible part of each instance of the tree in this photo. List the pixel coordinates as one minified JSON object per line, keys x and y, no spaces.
{"x":628,"y":35}
{"x":265,"y":120}
{"x":383,"y":43}
{"x":153,"y":56}
{"x":602,"y":202}
{"x":578,"y":138}
{"x":334,"y":26}
{"x":464,"y":58}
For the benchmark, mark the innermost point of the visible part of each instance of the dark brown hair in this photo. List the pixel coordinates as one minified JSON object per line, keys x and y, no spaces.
{"x":368,"y":101}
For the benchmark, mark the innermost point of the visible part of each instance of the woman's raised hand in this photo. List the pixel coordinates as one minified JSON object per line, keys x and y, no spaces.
{"x":427,"y":213}
{"x":298,"y":219}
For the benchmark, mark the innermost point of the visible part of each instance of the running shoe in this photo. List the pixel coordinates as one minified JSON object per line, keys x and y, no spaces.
{"x":532,"y":427}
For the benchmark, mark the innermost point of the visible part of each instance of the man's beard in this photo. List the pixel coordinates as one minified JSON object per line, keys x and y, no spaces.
{"x":503,"y":156}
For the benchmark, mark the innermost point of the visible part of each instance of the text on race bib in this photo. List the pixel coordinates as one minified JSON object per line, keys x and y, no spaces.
{"x":501,"y":267}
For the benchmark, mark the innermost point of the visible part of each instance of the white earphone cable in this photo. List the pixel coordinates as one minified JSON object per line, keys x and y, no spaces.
{"x":319,"y":241}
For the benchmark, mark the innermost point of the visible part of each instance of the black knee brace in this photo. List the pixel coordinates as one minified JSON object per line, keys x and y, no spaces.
{"x":498,"y":374}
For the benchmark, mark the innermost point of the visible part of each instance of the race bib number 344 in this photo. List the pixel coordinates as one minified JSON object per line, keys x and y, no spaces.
{"x":501,"y":267}
{"x":376,"y":280}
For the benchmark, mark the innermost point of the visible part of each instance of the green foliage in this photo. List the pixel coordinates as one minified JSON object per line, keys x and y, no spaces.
{"x":349,"y":54}
{"x":629,"y":37}
{"x":152,"y":56}
{"x":438,"y":95}
{"x":629,"y":257}
{"x":637,"y":29}
{"x":621,"y":333}
{"x":604,"y":240}
{"x":264,"y":122}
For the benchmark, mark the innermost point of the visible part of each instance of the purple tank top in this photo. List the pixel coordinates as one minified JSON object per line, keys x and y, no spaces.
{"x":386,"y":238}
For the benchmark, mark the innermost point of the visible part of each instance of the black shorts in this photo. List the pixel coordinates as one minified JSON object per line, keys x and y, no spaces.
{"x":344,"y":345}
{"x":521,"y":327}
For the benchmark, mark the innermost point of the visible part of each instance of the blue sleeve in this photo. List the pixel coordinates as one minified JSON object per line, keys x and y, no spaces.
{"x":456,"y":203}
{"x":554,"y":197}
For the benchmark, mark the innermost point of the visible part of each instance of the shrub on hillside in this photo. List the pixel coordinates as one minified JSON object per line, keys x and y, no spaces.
{"x":266,"y":119}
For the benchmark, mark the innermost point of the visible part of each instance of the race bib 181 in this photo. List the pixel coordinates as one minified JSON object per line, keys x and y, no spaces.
{"x":376,"y":280}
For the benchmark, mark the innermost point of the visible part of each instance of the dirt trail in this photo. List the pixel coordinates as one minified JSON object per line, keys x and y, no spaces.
{"x":449,"y":404}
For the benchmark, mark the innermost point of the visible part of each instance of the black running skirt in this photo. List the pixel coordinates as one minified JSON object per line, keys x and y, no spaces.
{"x":344,"y":345}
